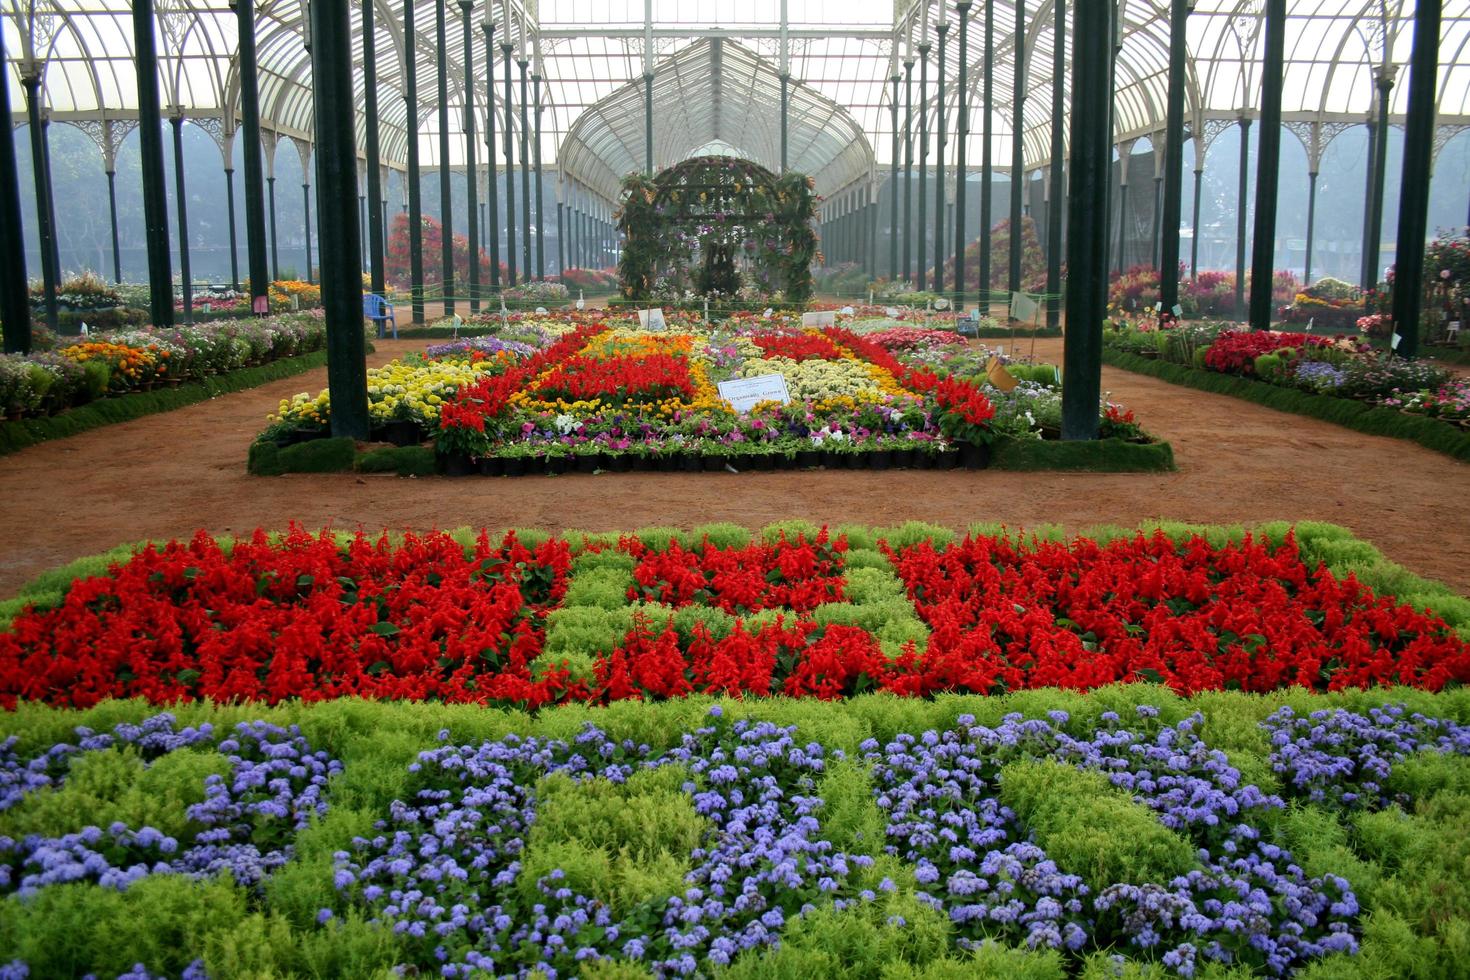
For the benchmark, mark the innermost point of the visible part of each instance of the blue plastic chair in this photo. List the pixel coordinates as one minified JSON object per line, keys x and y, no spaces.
{"x":379,"y":311}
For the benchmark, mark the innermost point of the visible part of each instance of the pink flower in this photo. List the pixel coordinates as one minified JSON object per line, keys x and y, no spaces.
{"x":1444,"y":273}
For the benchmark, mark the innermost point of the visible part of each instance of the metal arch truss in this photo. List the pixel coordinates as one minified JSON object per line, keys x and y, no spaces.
{"x":839,"y":56}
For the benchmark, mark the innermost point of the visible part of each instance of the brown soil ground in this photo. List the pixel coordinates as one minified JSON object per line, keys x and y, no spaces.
{"x":170,"y":474}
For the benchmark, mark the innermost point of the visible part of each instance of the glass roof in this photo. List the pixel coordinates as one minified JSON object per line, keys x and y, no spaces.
{"x":716,"y":67}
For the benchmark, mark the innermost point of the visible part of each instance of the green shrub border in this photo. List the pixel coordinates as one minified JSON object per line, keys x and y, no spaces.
{"x":1097,"y":456}
{"x":1334,"y":546}
{"x":15,"y":436}
{"x":1372,"y":419}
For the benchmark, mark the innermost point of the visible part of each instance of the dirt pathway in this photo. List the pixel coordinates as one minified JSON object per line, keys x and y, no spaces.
{"x":167,"y":475}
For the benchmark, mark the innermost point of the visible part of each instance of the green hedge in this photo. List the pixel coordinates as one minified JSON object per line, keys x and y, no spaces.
{"x":106,"y":411}
{"x":1430,"y":433}
{"x":1099,"y":456}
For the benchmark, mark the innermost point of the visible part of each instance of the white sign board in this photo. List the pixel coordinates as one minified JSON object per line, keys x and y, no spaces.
{"x":890,"y":311}
{"x":823,"y":318}
{"x":651,"y":319}
{"x":1178,"y":311}
{"x":848,"y":311}
{"x":743,"y":394}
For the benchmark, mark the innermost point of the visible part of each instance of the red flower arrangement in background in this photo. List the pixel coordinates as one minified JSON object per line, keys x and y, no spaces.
{"x":627,"y":378}
{"x":796,"y":346}
{"x":1235,"y":351}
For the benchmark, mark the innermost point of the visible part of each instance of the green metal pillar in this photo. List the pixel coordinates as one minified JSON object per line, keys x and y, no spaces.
{"x":1268,"y":163}
{"x":415,"y":197}
{"x":923,"y":157}
{"x":1174,"y":155}
{"x":336,"y":167}
{"x":492,"y":172}
{"x":230,"y":214}
{"x":962,"y":135}
{"x":1245,"y":149}
{"x":1311,"y":222}
{"x":1087,"y":240}
{"x":987,"y":136}
{"x":785,"y":112}
{"x":1018,"y":147}
{"x":176,"y":120}
{"x":510,"y":165}
{"x":377,"y":259}
{"x":536,"y":163}
{"x":15,"y":300}
{"x":306,"y":224}
{"x":942,"y":29}
{"x":1199,"y":183}
{"x":255,"y":240}
{"x":472,"y":170}
{"x":1377,"y":175}
{"x":525,"y":167}
{"x":1414,"y":189}
{"x":275,"y":254}
{"x":908,"y":170}
{"x":41,"y":177}
{"x":648,"y":123}
{"x":893,"y":188}
{"x":150,"y":140}
{"x":1056,"y":192}
{"x":112,"y":215}
{"x":446,"y":191}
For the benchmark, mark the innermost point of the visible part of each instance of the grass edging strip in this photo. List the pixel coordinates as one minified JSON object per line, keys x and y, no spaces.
{"x":1370,"y":419}
{"x":19,"y":435}
{"x":1096,"y":456}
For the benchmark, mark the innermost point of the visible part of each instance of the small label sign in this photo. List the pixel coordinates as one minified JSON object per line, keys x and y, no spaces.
{"x":821,"y":318}
{"x":743,"y":394}
{"x":651,"y":319}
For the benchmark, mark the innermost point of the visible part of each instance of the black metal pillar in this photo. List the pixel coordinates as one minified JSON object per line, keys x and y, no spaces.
{"x":275,"y":253}
{"x":893,"y":188}
{"x":306,"y":226}
{"x":540,"y":198}
{"x":962,"y":136}
{"x":51,"y":199}
{"x":176,"y":120}
{"x":510,"y":165}
{"x":923,"y":158}
{"x":561,"y":238}
{"x":942,"y":29}
{"x":648,"y":123}
{"x":472,"y":171}
{"x":230,"y":209}
{"x":41,"y":174}
{"x":1268,"y":163}
{"x":150,"y":139}
{"x":1245,"y":149}
{"x":415,"y":197}
{"x":492,"y":182}
{"x":1199,"y":183}
{"x":1121,"y":256}
{"x":987,"y":135}
{"x":1174,"y":155}
{"x":1057,"y":197}
{"x":1414,"y":189}
{"x":525,"y":168}
{"x":1377,"y":177}
{"x":336,"y":166}
{"x":1087,"y":240}
{"x":1311,"y":222}
{"x":1158,"y":219}
{"x":112,"y":216}
{"x":1018,"y":147}
{"x":255,"y":241}
{"x":377,"y":259}
{"x":785,"y":112}
{"x":908,"y":170}
{"x":15,"y":300}
{"x":446,"y":191}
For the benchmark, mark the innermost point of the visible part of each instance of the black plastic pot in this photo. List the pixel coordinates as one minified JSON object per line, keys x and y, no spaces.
{"x":880,"y":459}
{"x":947,"y":460}
{"x":558,"y":464}
{"x":616,"y":463}
{"x":903,"y":459}
{"x":974,"y":457}
{"x":831,"y":460}
{"x":459,"y":464}
{"x":588,"y":464}
{"x":515,"y":466}
{"x":691,"y":463}
{"x":856,"y":461}
{"x":492,"y":466}
{"x":807,"y":459}
{"x":714,"y":463}
{"x":403,"y":433}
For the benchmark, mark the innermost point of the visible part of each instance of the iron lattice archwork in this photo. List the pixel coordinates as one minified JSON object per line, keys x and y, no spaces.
{"x":694,"y":226}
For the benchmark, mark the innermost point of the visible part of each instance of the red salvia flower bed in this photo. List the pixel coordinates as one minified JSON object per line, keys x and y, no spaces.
{"x":429,"y":619}
{"x":797,"y":575}
{"x":646,"y":377}
{"x":796,"y":346}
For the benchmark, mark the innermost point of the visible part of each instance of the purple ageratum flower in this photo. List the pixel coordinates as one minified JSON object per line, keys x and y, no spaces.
{"x":276,"y":785}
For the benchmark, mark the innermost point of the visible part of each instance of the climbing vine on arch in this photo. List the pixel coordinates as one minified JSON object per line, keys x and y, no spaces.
{"x":696,"y":225}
